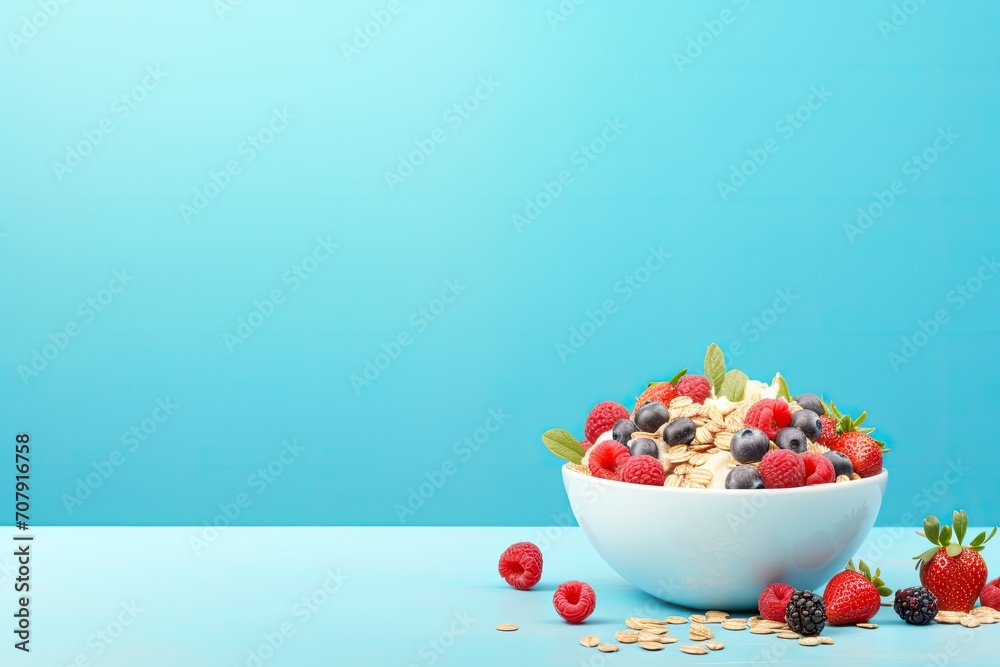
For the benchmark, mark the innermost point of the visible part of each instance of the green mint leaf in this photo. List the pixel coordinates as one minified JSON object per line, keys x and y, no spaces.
{"x":563,"y":444}
{"x":675,"y":379}
{"x":783,"y":388}
{"x":715,"y":366}
{"x":734,"y":385}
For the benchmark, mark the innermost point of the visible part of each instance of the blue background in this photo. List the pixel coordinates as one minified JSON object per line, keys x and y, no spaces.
{"x":557,"y":83}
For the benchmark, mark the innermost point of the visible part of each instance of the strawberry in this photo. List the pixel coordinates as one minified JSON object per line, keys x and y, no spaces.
{"x":664,"y":392}
{"x":829,"y":430}
{"x":954,"y":573}
{"x":854,"y":597}
{"x":863,"y":450}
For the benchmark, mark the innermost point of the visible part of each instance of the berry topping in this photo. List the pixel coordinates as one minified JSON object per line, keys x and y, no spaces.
{"x":602,"y":418}
{"x":521,"y":565}
{"x":792,"y":438}
{"x":680,"y":432}
{"x":770,"y":415}
{"x":643,"y":447}
{"x":774,"y":601}
{"x":811,"y":402}
{"x":574,"y":601}
{"x":808,"y":422}
{"x":916,"y":606}
{"x":664,"y":392}
{"x":829,"y":430}
{"x":806,"y":613}
{"x":749,"y":445}
{"x":643,"y":470}
{"x":854,"y":597}
{"x":782,"y":469}
{"x":696,"y":387}
{"x":863,"y":451}
{"x":956,"y":574}
{"x":651,"y":416}
{"x":744,"y":477}
{"x":819,"y":469}
{"x":606,"y":459}
{"x":990,"y":597}
{"x":841,"y":464}
{"x":622,"y":430}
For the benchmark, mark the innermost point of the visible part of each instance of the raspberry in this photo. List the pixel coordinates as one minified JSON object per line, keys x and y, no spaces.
{"x":575,"y":601}
{"x":664,"y":392}
{"x":782,"y":469}
{"x":643,"y":469}
{"x":602,"y":418}
{"x":819,"y":469}
{"x":774,"y":601}
{"x":521,"y":565}
{"x":586,"y":444}
{"x":607,"y":458}
{"x":694,"y":386}
{"x":829,"y":430}
{"x":770,"y":415}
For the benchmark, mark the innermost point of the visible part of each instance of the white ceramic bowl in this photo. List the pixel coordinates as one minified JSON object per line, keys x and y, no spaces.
{"x":719,"y":548}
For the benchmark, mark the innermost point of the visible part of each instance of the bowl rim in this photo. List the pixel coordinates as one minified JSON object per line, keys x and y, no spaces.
{"x":801,"y":490}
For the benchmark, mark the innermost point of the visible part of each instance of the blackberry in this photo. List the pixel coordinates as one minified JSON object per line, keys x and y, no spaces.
{"x":806,"y":613}
{"x":916,"y":606}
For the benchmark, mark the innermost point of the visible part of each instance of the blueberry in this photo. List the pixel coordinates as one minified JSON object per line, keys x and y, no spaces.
{"x":749,"y":445}
{"x":622,"y":430}
{"x":808,"y":422}
{"x":791,"y":438}
{"x":679,"y":432}
{"x":641,"y":446}
{"x":811,"y":402}
{"x":744,"y":477}
{"x":651,"y":416}
{"x":841,"y":464}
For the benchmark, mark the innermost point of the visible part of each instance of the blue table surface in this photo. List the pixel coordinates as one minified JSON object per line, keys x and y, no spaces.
{"x":389,"y":596}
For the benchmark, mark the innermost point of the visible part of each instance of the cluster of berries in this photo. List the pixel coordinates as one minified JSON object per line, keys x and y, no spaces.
{"x":953,"y":577}
{"x":521,"y":567}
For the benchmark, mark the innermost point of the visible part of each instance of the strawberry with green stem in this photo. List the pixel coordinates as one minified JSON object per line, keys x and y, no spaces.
{"x":856,"y":442}
{"x":854,"y":596}
{"x":955,"y":573}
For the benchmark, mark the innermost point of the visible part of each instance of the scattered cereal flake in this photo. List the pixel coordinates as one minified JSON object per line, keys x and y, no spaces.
{"x":715,"y":646}
{"x":590,"y":641}
{"x":608,"y":648}
{"x":693,"y":650}
{"x":868,"y":626}
{"x":809,"y":641}
{"x":506,"y":627}
{"x":651,"y":646}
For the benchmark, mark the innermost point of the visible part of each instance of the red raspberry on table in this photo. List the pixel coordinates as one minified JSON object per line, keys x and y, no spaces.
{"x":819,"y":469}
{"x":696,"y":387}
{"x":770,"y":415}
{"x":643,"y":469}
{"x":574,"y":601}
{"x":782,"y":469}
{"x":829,"y":431}
{"x":607,"y":458}
{"x":521,"y":565}
{"x":664,"y":392}
{"x":602,"y":418}
{"x":773,"y":602}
